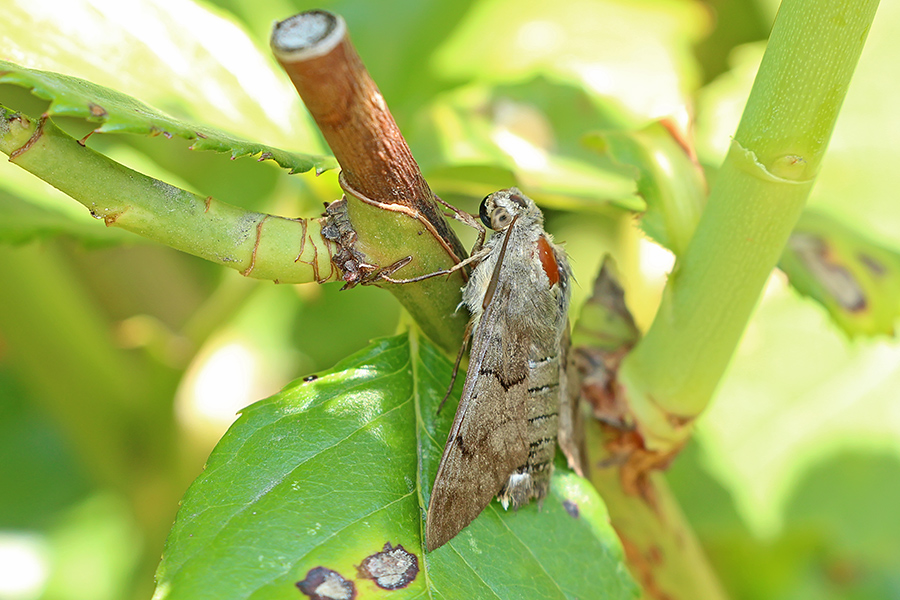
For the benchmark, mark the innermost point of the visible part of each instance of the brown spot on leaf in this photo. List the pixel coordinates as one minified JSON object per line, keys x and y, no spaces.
{"x":391,"y":569}
{"x":325,"y":584}
{"x":97,"y":110}
{"x":824,"y":265}
{"x":571,"y":508}
{"x":309,"y":378}
{"x":873,"y":264}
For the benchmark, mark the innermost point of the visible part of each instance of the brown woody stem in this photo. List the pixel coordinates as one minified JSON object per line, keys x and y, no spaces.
{"x":377,"y":164}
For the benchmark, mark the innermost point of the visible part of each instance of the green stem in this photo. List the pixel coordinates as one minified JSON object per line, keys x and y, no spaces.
{"x":662,"y":550}
{"x":753,"y":206}
{"x":258,"y":245}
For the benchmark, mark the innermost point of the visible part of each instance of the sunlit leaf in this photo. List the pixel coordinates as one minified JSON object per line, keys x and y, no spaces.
{"x":182,"y":57}
{"x":798,"y":390}
{"x":119,"y":113}
{"x":476,"y":139}
{"x":636,"y":52}
{"x":323,"y":475}
{"x":668,"y":179}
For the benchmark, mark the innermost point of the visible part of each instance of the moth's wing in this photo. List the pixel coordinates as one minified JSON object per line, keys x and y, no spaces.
{"x":487,"y":441}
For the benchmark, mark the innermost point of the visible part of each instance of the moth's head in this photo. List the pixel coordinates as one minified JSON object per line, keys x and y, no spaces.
{"x":500,"y":208}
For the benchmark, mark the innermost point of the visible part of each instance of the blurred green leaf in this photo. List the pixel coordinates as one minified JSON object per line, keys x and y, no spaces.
{"x":96,"y":547}
{"x":119,"y":113}
{"x":333,"y":468}
{"x":856,"y":280}
{"x":396,"y":61}
{"x":637,"y":52}
{"x":476,"y":140}
{"x":839,"y":540}
{"x":22,"y":222}
{"x":183,"y":57}
{"x":668,"y":179}
{"x":796,"y":391}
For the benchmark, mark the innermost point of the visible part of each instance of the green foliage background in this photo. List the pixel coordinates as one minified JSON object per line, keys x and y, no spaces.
{"x":792,"y":482}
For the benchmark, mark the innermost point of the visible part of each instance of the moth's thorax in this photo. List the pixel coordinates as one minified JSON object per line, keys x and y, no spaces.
{"x":533,"y":265}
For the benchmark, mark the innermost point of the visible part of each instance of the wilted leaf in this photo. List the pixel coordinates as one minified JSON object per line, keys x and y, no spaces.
{"x":314,"y":482}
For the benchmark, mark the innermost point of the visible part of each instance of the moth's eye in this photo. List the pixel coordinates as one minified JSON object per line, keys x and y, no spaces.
{"x":500,"y":219}
{"x":483,"y":212}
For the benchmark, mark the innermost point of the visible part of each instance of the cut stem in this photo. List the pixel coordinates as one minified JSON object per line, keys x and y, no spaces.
{"x":390,"y":205}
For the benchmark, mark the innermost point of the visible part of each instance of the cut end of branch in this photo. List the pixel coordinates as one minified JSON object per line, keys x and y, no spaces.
{"x":307,"y":35}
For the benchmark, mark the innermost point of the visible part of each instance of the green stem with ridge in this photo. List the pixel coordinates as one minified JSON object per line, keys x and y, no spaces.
{"x":258,"y":245}
{"x":755,"y":201}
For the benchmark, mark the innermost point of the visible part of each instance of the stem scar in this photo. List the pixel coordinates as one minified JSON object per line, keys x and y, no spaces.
{"x":259,"y":225}
{"x":330,"y":260}
{"x":314,"y":263}
{"x":38,"y":132}
{"x":303,"y":224}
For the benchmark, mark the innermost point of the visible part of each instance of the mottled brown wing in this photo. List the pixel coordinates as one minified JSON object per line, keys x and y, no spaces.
{"x":487,"y":441}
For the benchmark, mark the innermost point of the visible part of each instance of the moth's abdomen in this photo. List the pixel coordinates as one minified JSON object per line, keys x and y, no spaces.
{"x":531,"y":480}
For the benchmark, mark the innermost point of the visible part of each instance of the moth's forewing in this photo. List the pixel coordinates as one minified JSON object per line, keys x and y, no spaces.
{"x":488,"y":440}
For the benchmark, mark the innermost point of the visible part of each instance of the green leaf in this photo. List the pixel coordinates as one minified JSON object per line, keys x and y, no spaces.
{"x":477,"y":139}
{"x":187,"y":58}
{"x":331,"y":469}
{"x":638,"y":52}
{"x":119,"y":113}
{"x":668,"y":178}
{"x":854,"y":278}
{"x":797,"y":392}
{"x":22,"y":222}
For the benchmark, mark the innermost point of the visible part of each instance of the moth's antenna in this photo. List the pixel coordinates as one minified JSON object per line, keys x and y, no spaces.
{"x":492,"y":286}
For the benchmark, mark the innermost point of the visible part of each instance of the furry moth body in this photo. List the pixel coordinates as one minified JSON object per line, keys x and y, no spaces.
{"x":504,"y":435}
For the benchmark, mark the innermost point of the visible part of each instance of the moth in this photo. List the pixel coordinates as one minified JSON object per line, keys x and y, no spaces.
{"x":504,"y":436}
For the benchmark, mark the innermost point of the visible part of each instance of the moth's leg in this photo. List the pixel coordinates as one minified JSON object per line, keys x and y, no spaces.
{"x":391,"y":268}
{"x":467,"y":337}
{"x":387,"y":272}
{"x":467,"y":219}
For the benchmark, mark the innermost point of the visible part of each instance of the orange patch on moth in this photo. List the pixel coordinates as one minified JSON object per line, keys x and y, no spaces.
{"x":548,"y":260}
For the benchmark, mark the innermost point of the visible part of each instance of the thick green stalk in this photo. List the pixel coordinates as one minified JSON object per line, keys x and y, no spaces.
{"x":258,"y":245}
{"x":756,"y":200}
